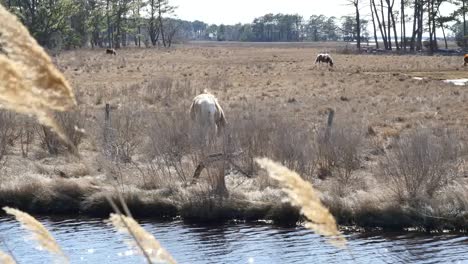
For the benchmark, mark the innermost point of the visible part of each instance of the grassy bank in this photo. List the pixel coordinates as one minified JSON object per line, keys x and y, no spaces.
{"x":394,"y":157}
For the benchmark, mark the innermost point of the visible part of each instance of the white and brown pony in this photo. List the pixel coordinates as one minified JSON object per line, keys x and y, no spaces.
{"x":326,"y":58}
{"x":208,"y":115}
{"x":465,"y":60}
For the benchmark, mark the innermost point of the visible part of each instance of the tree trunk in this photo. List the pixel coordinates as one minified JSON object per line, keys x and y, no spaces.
{"x":419,"y":45}
{"x":429,"y":25}
{"x":358,"y":25}
{"x":373,"y":24}
{"x":403,"y":26}
{"x":394,"y":26}
{"x":415,"y":22}
{"x":109,"y":40}
{"x":389,"y":25}
{"x":382,"y":31}
{"x":443,"y":31}
{"x":464,"y":25}
{"x":388,"y":45}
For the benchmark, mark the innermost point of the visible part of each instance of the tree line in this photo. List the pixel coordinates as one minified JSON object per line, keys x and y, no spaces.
{"x":117,"y":23}
{"x":103,"y":23}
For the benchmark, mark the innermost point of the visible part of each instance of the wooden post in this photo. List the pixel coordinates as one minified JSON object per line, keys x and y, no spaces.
{"x":106,"y":131}
{"x":331,"y":115}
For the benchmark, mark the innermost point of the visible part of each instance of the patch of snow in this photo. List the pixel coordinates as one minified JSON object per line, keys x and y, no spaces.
{"x":461,"y":82}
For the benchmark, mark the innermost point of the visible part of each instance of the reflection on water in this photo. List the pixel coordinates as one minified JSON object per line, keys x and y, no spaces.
{"x":93,"y":241}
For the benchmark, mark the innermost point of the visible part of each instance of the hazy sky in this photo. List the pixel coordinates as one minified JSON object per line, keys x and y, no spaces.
{"x":244,"y":11}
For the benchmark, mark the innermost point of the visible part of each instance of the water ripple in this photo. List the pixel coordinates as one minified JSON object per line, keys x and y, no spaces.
{"x":93,"y":241}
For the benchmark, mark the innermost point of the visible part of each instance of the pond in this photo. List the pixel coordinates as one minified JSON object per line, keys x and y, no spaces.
{"x":93,"y":241}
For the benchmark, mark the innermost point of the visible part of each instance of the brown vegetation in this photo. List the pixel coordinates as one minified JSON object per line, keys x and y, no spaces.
{"x":277,"y":105}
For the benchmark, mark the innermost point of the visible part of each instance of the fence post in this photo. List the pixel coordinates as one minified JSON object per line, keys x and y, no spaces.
{"x":331,"y":115}
{"x":106,"y":131}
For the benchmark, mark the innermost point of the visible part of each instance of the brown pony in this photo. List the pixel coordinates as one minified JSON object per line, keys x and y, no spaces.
{"x":111,"y":51}
{"x":324,"y":58}
{"x":465,"y":59}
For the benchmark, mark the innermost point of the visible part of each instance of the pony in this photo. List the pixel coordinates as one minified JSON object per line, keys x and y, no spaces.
{"x":208,"y":115}
{"x":323,"y":57}
{"x":111,"y":51}
{"x":465,"y":60}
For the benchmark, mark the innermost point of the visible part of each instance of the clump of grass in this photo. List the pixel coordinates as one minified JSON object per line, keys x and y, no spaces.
{"x":144,"y":241}
{"x":302,"y":194}
{"x":6,"y":259}
{"x":40,"y":233}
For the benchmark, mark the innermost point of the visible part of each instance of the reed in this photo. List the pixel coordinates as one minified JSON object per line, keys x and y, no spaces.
{"x":303,"y":195}
{"x":6,"y":259}
{"x":144,"y":241}
{"x":39,"y":232}
{"x":29,"y":81}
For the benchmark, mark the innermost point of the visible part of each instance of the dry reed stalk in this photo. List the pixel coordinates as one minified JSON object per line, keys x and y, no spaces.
{"x":6,"y":259}
{"x":39,"y":232}
{"x":29,"y":81}
{"x":302,"y":194}
{"x":144,"y":241}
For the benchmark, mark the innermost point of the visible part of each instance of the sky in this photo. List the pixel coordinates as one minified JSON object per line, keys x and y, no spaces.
{"x":244,"y":11}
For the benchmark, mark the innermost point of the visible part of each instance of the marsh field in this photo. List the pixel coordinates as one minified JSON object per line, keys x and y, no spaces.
{"x":394,"y":157}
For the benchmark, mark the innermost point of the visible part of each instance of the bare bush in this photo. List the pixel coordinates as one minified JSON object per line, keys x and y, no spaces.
{"x":122,"y":133}
{"x":338,"y":149}
{"x":7,"y":131}
{"x":279,"y":138}
{"x":26,"y":134}
{"x":420,"y":164}
{"x":71,"y":124}
{"x":170,"y":145}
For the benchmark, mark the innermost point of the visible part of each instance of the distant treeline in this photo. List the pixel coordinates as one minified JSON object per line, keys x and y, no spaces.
{"x":284,"y":27}
{"x":64,"y":24}
{"x":60,"y":24}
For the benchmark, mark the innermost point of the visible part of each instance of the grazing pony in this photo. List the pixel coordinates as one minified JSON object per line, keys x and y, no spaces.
{"x":324,"y":58}
{"x":465,"y":59}
{"x":208,"y":115}
{"x":111,"y":51}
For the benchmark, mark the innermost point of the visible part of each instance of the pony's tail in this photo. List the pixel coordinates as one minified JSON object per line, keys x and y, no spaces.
{"x":192,"y":111}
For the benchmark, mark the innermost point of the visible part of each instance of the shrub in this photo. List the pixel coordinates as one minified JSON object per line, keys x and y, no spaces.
{"x":338,"y":148}
{"x":420,"y":164}
{"x":7,"y":131}
{"x":122,"y":133}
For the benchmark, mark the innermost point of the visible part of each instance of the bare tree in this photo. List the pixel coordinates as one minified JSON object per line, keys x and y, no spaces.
{"x":355,"y":3}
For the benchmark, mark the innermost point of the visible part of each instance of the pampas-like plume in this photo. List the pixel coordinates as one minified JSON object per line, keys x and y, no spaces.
{"x":144,"y":241}
{"x":40,"y":233}
{"x":6,"y":259}
{"x":29,"y":81}
{"x":302,"y":194}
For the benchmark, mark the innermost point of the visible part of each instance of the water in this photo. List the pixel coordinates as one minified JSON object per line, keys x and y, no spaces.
{"x":92,"y":241}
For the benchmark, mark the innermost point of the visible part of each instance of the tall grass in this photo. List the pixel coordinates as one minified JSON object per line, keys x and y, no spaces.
{"x":6,"y":259}
{"x":39,"y":232}
{"x":302,"y":194}
{"x":144,"y":241}
{"x":29,"y":81}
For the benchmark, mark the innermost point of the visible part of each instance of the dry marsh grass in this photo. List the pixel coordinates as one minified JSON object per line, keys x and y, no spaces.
{"x":39,"y":232}
{"x":145,"y":242}
{"x":29,"y":81}
{"x":302,"y":194}
{"x":276,"y":103}
{"x":6,"y":259}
